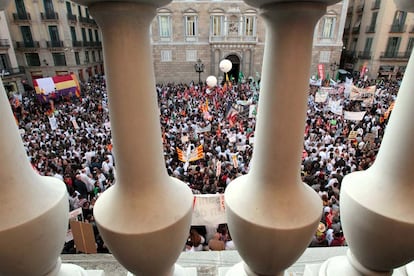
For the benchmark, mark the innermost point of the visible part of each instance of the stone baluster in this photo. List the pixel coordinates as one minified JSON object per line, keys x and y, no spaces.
{"x":271,"y":214}
{"x":35,"y":209}
{"x":377,"y":204}
{"x":145,"y":217}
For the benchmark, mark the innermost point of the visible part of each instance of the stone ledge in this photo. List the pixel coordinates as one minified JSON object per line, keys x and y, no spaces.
{"x":207,"y":263}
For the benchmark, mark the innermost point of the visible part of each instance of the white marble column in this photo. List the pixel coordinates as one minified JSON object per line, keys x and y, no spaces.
{"x":377,"y":204}
{"x":145,"y":217}
{"x":271,"y":214}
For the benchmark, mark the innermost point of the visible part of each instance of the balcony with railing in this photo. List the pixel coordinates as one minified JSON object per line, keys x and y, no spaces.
{"x":11,"y":72}
{"x":4,"y":44}
{"x":21,"y":17}
{"x":370,"y":29}
{"x":397,"y":28}
{"x":232,"y":39}
{"x":355,"y":30}
{"x":395,"y":55}
{"x":54,"y":44}
{"x":364,"y":54}
{"x":72,"y":18}
{"x":49,"y":16}
{"x":272,"y":215}
{"x":27,"y":44}
{"x":77,"y":43}
{"x":87,"y":20}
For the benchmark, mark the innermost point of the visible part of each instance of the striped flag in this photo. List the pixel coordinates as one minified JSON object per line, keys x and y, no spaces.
{"x":190,"y":155}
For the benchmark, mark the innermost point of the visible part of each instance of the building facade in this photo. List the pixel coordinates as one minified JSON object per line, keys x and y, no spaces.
{"x":46,"y":38}
{"x":54,"y":38}
{"x":378,"y":38}
{"x":185,"y":31}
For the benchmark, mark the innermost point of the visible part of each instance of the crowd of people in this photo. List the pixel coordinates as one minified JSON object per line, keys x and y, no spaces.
{"x":70,"y":138}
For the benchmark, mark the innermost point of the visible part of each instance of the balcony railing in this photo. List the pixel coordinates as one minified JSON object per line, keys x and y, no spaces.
{"x":4,"y":43}
{"x":370,"y":29}
{"x":12,"y":71}
{"x":72,"y":17}
{"x":364,"y":54}
{"x":355,"y":30}
{"x":21,"y":17}
{"x":49,"y":16}
{"x":27,"y":44}
{"x":76,"y":43}
{"x":396,"y":28}
{"x":395,"y":55}
{"x":54,"y":44}
{"x":238,"y":38}
{"x":87,"y":20}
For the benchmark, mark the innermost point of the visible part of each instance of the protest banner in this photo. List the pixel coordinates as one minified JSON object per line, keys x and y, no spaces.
{"x":53,"y":122}
{"x":352,"y":135}
{"x":208,"y":210}
{"x":321,"y":96}
{"x":335,"y":107}
{"x":252,"y":111}
{"x":366,"y":95}
{"x":203,"y":129}
{"x":369,"y":137}
{"x":354,"y":116}
{"x":329,"y":90}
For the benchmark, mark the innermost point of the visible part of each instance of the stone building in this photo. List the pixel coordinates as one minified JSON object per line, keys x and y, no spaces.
{"x":53,"y":38}
{"x":378,"y":38}
{"x":47,"y":38}
{"x":185,"y":31}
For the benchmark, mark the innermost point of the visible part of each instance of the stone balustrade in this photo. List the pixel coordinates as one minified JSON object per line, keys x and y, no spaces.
{"x":146,"y":238}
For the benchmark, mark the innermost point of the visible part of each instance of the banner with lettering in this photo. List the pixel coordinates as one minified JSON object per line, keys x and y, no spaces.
{"x":208,"y":210}
{"x":354,"y":116}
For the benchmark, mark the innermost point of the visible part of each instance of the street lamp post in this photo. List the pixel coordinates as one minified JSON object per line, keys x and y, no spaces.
{"x":199,"y":68}
{"x":334,"y":66}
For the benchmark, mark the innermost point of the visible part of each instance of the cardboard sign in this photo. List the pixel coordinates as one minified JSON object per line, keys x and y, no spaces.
{"x":83,"y":236}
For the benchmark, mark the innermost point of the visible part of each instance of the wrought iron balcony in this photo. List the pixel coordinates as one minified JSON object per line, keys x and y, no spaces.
{"x":355,"y":30}
{"x":17,"y":17}
{"x":76,"y":43}
{"x":395,"y":55}
{"x":397,"y":28}
{"x":87,"y":20}
{"x":72,"y":17}
{"x":364,"y":54}
{"x":4,"y":43}
{"x":27,"y":44}
{"x":370,"y":29}
{"x":54,"y":44}
{"x":49,"y":16}
{"x":12,"y":71}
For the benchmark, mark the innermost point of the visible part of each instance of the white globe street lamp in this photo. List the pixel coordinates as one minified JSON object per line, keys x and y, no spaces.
{"x":225,"y":66}
{"x":211,"y":81}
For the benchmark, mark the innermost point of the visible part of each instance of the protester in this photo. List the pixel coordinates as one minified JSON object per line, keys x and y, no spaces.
{"x":208,"y":138}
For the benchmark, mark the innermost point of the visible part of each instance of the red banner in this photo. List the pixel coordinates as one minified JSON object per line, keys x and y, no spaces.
{"x":321,"y":71}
